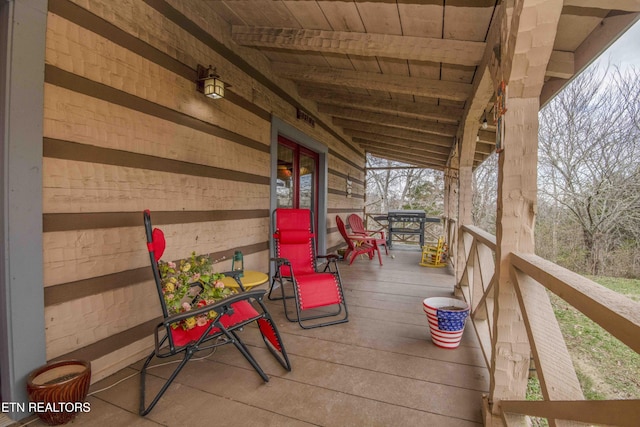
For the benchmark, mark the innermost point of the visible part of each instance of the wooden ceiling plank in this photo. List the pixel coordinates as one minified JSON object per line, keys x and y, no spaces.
{"x":467,"y":22}
{"x":407,"y":108}
{"x":422,"y":20}
{"x":342,"y":16}
{"x":308,"y":15}
{"x":380,"y":16}
{"x":389,"y":120}
{"x":426,"y":162}
{"x":352,"y":125}
{"x":602,"y":37}
{"x":408,"y":150}
{"x":366,"y":80}
{"x":561,"y":65}
{"x":400,"y":142}
{"x":487,"y":136}
{"x":484,"y":148}
{"x":448,"y":51}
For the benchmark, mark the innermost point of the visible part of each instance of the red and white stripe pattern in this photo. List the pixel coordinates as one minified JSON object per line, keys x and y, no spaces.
{"x":442,"y":338}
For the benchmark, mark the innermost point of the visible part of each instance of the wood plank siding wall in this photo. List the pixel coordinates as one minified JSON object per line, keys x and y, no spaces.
{"x":124,"y":131}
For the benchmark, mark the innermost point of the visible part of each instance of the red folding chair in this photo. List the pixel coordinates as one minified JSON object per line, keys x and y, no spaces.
{"x":296,"y":264}
{"x":357,"y":228}
{"x":231,"y":314}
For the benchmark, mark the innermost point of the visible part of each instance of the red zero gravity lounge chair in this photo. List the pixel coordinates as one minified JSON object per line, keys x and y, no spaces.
{"x":296,"y":264}
{"x":231,"y":315}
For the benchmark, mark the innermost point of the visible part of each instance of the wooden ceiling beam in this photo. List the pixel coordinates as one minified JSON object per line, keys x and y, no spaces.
{"x":407,"y":108}
{"x":438,"y":150}
{"x":417,"y":160}
{"x":410,"y":48}
{"x":389,"y":120}
{"x":418,"y":86}
{"x":487,"y":136}
{"x":484,"y":82}
{"x":485,"y":148}
{"x":415,"y":148}
{"x":352,"y":125}
{"x":600,"y":38}
{"x":561,"y":65}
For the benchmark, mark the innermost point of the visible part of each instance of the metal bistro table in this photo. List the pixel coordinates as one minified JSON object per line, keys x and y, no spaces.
{"x":249,"y":280}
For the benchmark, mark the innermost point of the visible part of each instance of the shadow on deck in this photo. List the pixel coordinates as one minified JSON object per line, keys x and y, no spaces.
{"x":379,"y":369}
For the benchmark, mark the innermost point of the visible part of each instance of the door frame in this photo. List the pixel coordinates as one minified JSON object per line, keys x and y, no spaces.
{"x":281,"y":128}
{"x":22,"y":326}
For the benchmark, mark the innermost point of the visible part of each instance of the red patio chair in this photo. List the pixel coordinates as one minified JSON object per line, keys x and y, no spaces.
{"x":357,"y":245}
{"x":357,"y":228}
{"x":231,"y":315}
{"x":296,"y":264}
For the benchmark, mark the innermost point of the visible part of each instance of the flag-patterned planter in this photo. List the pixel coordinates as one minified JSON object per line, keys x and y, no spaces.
{"x":447,"y":317}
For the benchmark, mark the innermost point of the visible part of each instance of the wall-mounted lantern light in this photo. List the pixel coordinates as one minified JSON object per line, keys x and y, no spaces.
{"x":209,"y":83}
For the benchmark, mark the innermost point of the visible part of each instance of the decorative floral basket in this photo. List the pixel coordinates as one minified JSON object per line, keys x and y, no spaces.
{"x":447,"y":317}
{"x":189,"y":284}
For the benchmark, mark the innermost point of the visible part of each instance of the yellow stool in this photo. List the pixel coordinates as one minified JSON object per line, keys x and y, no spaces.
{"x":434,"y":256}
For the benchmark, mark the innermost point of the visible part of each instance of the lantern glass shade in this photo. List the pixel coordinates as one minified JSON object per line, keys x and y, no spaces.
{"x":214,"y":88}
{"x":209,"y":83}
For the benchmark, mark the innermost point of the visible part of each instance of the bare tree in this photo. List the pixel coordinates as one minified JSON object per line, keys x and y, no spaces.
{"x":393,"y":185}
{"x":589,"y":156}
{"x":485,"y":193}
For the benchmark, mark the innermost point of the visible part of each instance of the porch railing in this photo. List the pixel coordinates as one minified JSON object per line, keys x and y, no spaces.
{"x":563,"y":402}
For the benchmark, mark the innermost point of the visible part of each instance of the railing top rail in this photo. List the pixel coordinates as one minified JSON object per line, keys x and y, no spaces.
{"x":616,"y":313}
{"x":482,"y":236}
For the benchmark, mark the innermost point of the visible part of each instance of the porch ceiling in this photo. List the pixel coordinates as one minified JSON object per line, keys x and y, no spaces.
{"x":396,"y":76}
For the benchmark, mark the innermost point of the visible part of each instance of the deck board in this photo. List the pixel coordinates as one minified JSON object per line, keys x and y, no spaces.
{"x":379,"y":369}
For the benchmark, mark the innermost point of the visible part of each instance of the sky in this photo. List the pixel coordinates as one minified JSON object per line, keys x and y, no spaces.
{"x":625,"y":51}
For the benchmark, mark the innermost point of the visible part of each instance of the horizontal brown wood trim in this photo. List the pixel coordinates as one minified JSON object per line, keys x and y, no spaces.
{"x":85,"y":19}
{"x":246,"y":104}
{"x":65,"y":292}
{"x":345,"y":176}
{"x":110,"y":344}
{"x":191,"y":27}
{"x":67,"y":150}
{"x":91,"y":220}
{"x":344,"y":193}
{"x":344,"y":210}
{"x":344,"y":159}
{"x":58,"y":77}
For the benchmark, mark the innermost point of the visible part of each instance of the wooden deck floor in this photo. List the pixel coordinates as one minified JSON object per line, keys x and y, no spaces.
{"x":379,"y":369}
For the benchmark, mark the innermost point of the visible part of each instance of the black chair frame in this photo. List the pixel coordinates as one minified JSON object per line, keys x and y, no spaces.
{"x":164,"y":344}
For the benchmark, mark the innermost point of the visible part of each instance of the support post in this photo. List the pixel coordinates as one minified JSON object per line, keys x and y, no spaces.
{"x":517,"y":204}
